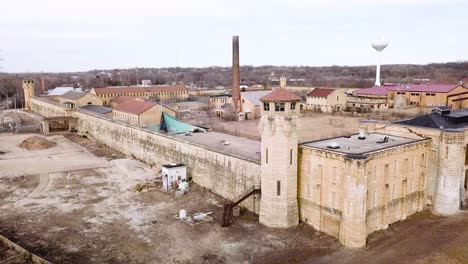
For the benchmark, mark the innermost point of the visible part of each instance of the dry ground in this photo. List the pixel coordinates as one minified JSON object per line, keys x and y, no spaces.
{"x":72,"y":204}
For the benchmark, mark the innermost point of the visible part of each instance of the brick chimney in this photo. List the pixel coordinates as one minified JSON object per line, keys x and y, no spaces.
{"x":43,"y":88}
{"x":236,"y":96}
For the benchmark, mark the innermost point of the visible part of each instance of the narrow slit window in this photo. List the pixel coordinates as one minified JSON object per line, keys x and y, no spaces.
{"x":290,"y":156}
{"x":266,"y":156}
{"x":278,"y":188}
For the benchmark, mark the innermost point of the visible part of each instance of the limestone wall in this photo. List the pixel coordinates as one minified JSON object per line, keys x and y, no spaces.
{"x":225,"y":175}
{"x":46,"y":107}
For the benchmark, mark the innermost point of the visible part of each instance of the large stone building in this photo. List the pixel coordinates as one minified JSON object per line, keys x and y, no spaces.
{"x":353,"y":186}
{"x":326,"y":100}
{"x":160,"y":93}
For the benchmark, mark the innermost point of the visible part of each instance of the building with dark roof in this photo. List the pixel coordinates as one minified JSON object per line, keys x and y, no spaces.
{"x":326,"y":100}
{"x":440,"y":118}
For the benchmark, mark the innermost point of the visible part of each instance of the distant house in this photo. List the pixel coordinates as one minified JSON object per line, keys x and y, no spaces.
{"x":140,"y":113}
{"x":326,"y":100}
{"x":74,"y":99}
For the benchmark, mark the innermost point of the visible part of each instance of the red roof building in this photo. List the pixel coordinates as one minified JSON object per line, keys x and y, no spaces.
{"x":280,"y":95}
{"x":320,"y":92}
{"x":135,"y":107}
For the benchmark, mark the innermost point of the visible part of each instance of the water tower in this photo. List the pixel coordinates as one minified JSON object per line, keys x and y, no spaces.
{"x":378,"y":44}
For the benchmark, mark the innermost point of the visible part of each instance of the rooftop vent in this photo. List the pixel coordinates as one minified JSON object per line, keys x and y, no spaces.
{"x":333,"y":145}
{"x":361,"y":135}
{"x":441,"y":110}
{"x":384,"y":140}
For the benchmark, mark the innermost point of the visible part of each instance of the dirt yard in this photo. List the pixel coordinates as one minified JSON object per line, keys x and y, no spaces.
{"x":72,"y":203}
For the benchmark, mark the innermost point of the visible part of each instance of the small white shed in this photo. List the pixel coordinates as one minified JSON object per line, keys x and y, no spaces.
{"x":173,"y":174}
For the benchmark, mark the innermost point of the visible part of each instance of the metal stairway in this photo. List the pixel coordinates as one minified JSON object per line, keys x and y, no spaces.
{"x":227,"y":216}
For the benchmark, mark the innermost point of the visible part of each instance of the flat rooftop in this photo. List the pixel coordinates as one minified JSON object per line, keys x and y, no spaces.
{"x":225,"y":143}
{"x":354,"y":145}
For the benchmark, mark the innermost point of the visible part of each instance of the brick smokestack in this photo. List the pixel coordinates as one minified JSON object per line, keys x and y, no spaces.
{"x":236,"y":96}
{"x":43,"y":88}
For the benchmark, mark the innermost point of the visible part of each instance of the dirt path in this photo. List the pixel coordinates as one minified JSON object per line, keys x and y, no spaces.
{"x":43,"y":182}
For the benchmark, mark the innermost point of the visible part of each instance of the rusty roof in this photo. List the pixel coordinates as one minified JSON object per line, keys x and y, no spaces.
{"x":122,"y":99}
{"x":139,"y":89}
{"x":320,"y":92}
{"x":166,"y":88}
{"x":135,"y":107}
{"x":280,"y":95}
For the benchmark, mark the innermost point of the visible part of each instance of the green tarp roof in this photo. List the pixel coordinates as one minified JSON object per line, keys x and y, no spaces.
{"x":170,"y":124}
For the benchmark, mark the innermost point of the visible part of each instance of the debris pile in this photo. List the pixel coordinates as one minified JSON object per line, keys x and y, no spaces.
{"x":36,"y":143}
{"x":194,"y":219}
{"x":146,"y":186}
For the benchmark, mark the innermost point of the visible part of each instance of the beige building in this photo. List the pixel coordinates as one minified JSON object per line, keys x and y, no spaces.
{"x":74,"y":99}
{"x":140,"y":113}
{"x":326,"y":100}
{"x":220,"y":105}
{"x":161,"y":93}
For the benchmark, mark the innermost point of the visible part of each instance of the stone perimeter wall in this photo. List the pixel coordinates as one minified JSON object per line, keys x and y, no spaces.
{"x":226,"y":175}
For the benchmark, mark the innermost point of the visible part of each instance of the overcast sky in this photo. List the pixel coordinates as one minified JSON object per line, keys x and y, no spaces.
{"x":65,"y":35}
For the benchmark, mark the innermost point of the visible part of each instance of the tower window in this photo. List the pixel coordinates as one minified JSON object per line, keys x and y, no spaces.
{"x":278,"y":188}
{"x":279,"y":107}
{"x":266,"y":106}
{"x":293,"y":105}
{"x":290,"y":156}
{"x":266,"y":156}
